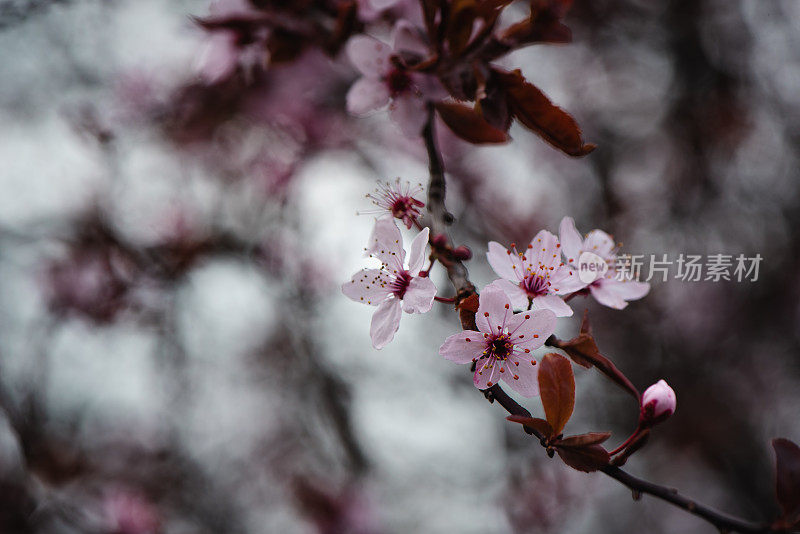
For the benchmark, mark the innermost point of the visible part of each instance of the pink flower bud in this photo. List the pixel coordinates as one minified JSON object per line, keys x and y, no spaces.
{"x":439,"y":241}
{"x":658,"y":403}
{"x":462,"y":253}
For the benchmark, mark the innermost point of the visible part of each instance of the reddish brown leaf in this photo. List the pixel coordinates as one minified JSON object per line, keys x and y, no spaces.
{"x":470,"y":303}
{"x":587,"y":459}
{"x":489,"y":10}
{"x":787,"y":479}
{"x":466,"y":312}
{"x":493,"y":104}
{"x":529,"y":31}
{"x":460,"y":24}
{"x":346,"y":23}
{"x":429,"y":10}
{"x":557,"y":389}
{"x":468,"y":124}
{"x":582,"y":440}
{"x":535,"y":111}
{"x":540,"y":425}
{"x":583,"y":351}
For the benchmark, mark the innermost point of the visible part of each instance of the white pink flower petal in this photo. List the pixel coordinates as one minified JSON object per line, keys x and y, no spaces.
{"x":463,"y":347}
{"x":369,"y":286}
{"x":419,"y":295}
{"x":416,"y":253}
{"x":505,"y":262}
{"x":386,"y":244}
{"x":571,"y":240}
{"x":367,"y":95}
{"x":369,"y":55}
{"x":517,"y":295}
{"x":600,"y":243}
{"x":385,"y":322}
{"x":554,"y":303}
{"x":409,"y":112}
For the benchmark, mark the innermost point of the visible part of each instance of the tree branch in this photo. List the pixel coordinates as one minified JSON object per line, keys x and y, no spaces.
{"x":459,"y":277}
{"x":440,"y":217}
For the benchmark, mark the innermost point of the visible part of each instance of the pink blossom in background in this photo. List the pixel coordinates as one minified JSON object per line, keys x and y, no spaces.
{"x":130,"y":513}
{"x":393,"y":288}
{"x":91,"y":281}
{"x":501,"y":349}
{"x":223,"y":51}
{"x":398,"y":200}
{"x":386,"y":81}
{"x":536,"y":277}
{"x":658,"y":403}
{"x":608,"y":290}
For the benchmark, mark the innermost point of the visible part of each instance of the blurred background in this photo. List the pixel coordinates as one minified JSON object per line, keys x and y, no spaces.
{"x":175,"y":352}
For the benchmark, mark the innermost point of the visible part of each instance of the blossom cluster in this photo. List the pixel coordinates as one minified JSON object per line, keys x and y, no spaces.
{"x":516,"y":313}
{"x":439,"y":57}
{"x":546,"y":273}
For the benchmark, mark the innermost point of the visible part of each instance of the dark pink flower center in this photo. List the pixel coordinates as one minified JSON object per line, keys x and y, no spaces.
{"x":404,"y":207}
{"x":535,"y":285}
{"x":398,"y":81}
{"x":400,"y":284}
{"x":501,"y":347}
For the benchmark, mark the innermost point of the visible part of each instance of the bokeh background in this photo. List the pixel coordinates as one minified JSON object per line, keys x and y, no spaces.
{"x":175,"y":352}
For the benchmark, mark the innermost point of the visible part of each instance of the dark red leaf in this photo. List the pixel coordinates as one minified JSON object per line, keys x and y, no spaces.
{"x":470,"y":303}
{"x":557,"y":389}
{"x":582,"y":440}
{"x":583,"y":351}
{"x":535,"y":111}
{"x":468,"y":124}
{"x":530,"y":31}
{"x":466,"y":312}
{"x":587,"y":459}
{"x":787,"y":479}
{"x":489,"y":10}
{"x":429,"y":10}
{"x":460,"y":24}
{"x":493,"y":103}
{"x":540,"y":425}
{"x":346,"y":25}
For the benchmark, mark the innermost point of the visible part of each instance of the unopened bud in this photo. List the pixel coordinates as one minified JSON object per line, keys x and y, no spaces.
{"x":462,"y":253}
{"x":658,"y":403}
{"x":439,"y":241}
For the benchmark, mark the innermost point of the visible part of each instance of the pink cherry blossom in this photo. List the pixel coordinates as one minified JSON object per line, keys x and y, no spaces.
{"x":501,"y":349}
{"x":224,"y":51}
{"x":131,"y":513}
{"x":537,"y":277}
{"x":393,"y":288}
{"x":658,"y":403}
{"x":609,"y":290}
{"x":385,"y":79}
{"x":398,"y":200}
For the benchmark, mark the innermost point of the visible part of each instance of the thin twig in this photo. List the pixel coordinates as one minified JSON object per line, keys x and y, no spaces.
{"x":440,"y":217}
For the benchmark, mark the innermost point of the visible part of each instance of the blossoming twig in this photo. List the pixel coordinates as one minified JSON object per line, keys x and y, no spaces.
{"x":459,"y":277}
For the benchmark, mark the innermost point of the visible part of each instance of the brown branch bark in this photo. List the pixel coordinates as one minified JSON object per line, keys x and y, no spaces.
{"x":459,"y":277}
